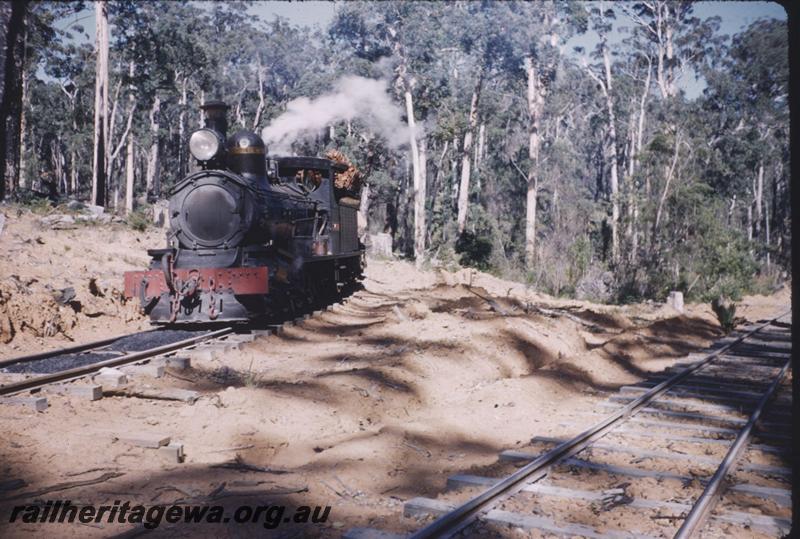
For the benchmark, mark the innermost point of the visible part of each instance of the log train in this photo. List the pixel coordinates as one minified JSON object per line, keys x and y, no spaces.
{"x":251,"y":236}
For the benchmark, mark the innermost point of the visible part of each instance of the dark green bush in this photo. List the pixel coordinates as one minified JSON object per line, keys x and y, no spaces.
{"x":475,"y":251}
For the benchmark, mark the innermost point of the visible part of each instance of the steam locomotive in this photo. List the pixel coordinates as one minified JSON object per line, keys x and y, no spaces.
{"x":250,"y":236}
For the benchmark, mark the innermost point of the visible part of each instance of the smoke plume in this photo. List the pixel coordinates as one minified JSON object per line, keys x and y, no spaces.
{"x":352,"y":97}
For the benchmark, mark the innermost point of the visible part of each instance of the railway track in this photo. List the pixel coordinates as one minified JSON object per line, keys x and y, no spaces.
{"x":74,"y":362}
{"x":97,"y":351}
{"x":712,"y":433}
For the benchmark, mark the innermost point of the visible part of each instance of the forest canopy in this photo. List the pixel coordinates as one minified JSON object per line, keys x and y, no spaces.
{"x":482,"y":138}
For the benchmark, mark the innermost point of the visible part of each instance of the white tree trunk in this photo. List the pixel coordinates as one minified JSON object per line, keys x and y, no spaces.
{"x":153,"y":185}
{"x":669,"y":174}
{"x":73,"y":159}
{"x":463,"y":190}
{"x":129,"y":176}
{"x":420,"y":227}
{"x":262,"y":99}
{"x":416,"y":173}
{"x":23,"y":179}
{"x":766,"y":230}
{"x":612,"y":136}
{"x":99,"y":187}
{"x":182,"y":146}
{"x":759,"y":197}
{"x":481,"y":141}
{"x":454,"y":170}
{"x":535,"y":95}
{"x":363,"y":210}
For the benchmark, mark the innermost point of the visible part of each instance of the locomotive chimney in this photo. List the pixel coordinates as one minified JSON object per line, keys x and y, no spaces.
{"x":215,"y":113}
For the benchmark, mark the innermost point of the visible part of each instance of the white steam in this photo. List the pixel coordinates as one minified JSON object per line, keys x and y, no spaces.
{"x":352,"y":97}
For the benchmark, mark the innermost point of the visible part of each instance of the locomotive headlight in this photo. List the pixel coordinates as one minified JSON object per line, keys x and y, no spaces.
{"x":204,"y":144}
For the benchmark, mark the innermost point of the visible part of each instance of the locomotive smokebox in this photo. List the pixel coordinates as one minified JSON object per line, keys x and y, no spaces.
{"x":216,"y":115}
{"x":247,"y":156}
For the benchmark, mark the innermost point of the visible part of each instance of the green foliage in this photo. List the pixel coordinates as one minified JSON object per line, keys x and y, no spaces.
{"x":580,"y":254}
{"x":475,"y":250}
{"x":139,"y":220}
{"x":442,"y":54}
{"x":36,"y":204}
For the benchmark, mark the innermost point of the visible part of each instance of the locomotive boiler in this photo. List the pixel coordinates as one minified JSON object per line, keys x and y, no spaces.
{"x":251,"y":236}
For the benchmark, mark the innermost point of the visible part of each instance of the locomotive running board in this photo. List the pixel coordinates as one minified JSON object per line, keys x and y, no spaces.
{"x":238,"y":281}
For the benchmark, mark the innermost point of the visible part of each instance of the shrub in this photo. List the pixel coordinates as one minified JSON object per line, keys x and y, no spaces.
{"x":138,"y":220}
{"x":475,"y":250}
{"x":725,"y":311}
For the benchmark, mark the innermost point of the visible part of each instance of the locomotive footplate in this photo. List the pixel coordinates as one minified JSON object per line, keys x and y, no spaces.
{"x":239,"y":281}
{"x":195,"y":295}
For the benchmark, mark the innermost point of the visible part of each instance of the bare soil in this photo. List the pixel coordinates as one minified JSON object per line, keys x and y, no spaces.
{"x":420,"y":375}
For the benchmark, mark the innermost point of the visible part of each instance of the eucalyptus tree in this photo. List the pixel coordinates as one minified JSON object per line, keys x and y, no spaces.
{"x":405,"y":34}
{"x":11,"y":104}
{"x":537,"y":31}
{"x":747,"y":99}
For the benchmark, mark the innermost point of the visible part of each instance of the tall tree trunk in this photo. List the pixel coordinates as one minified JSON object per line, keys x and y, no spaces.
{"x":730,"y":209}
{"x":606,"y":86}
{"x":437,"y":179}
{"x":153,"y":185}
{"x":670,"y":172}
{"x":73,"y":158}
{"x":759,"y":197}
{"x":363,"y":209}
{"x":129,"y":176}
{"x":535,"y":98}
{"x":202,"y":122}
{"x":463,"y":190}
{"x":182,"y":147}
{"x":481,"y":146}
{"x":262,"y":100}
{"x":110,"y":156}
{"x":420,"y":227}
{"x":614,"y":158}
{"x":416,"y":170}
{"x":454,"y":170}
{"x":22,"y":179}
{"x":100,"y":105}
{"x":11,"y":102}
{"x":129,"y":154}
{"x":73,"y":178}
{"x":637,"y":148}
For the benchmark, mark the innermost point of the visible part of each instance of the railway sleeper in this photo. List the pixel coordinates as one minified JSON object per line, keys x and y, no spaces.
{"x":633,"y":433}
{"x":420,"y":507}
{"x":776,"y":438}
{"x":640,"y":453}
{"x":423,"y":507}
{"x":729,"y":368}
{"x":706,"y":419}
{"x":460,"y":481}
{"x":736,"y":407}
{"x":711,"y":394}
{"x":779,"y":495}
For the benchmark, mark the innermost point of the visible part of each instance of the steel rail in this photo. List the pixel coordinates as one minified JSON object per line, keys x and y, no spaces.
{"x":450,"y":523}
{"x":69,"y":349}
{"x":78,"y":372}
{"x":713,"y":491}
